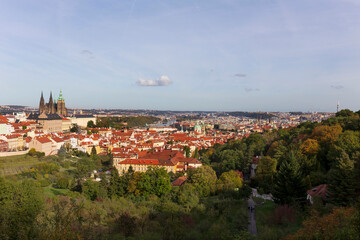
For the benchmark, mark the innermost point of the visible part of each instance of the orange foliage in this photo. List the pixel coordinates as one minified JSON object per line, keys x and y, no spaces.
{"x":336,"y":225}
{"x":328,"y":134}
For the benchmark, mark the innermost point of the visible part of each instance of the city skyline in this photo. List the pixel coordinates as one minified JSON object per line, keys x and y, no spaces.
{"x":188,"y":55}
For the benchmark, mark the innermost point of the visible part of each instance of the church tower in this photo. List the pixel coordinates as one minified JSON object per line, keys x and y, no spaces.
{"x":42,"y":104}
{"x":60,"y":106}
{"x":51,"y":107}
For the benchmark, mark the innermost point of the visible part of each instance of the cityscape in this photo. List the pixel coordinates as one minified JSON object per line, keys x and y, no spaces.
{"x":175,"y":120}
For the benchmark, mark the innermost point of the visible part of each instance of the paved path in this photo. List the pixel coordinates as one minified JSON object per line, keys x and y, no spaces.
{"x":252,"y":221}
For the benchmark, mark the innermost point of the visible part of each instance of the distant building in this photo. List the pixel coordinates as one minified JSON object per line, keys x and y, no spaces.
{"x":172,"y":161}
{"x":320,"y":191}
{"x":49,"y":116}
{"x":51,"y":122}
{"x":82,"y":120}
{"x":42,"y":144}
{"x":4,"y":146}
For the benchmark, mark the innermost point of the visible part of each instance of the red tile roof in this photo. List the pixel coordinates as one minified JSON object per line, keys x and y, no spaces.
{"x":43,"y":140}
{"x":320,"y":190}
{"x":147,"y":162}
{"x":179,"y":181}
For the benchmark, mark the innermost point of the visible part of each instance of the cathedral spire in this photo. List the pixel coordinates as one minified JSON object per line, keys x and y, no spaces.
{"x":42,"y":103}
{"x":51,"y":104}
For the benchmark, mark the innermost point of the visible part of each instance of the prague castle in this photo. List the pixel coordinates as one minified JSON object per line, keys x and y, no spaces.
{"x":50,"y":114}
{"x":53,"y":107}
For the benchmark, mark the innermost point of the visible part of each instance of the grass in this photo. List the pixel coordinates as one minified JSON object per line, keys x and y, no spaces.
{"x":51,"y":191}
{"x":269,"y":230}
{"x":258,"y":200}
{"x":16,"y":164}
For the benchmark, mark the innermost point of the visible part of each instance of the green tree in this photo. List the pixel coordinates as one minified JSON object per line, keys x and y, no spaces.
{"x":196,"y":154}
{"x":155,"y":181}
{"x":84,"y":167}
{"x":289,"y":186}
{"x":266,"y":166}
{"x":203,"y":179}
{"x":230,"y":180}
{"x":90,"y":189}
{"x":93,"y":151}
{"x":349,"y":141}
{"x":188,"y":197}
{"x":91,"y":124}
{"x":75,"y":128}
{"x":62,"y":151}
{"x":345,"y":113}
{"x":20,"y":203}
{"x":117,"y":185}
{"x":187,"y":151}
{"x":342,"y":181}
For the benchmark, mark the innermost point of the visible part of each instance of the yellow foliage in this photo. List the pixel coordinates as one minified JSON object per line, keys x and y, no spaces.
{"x":310,"y":146}
{"x":328,"y":134}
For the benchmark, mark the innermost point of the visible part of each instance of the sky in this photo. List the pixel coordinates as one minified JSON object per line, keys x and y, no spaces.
{"x":229,"y":55}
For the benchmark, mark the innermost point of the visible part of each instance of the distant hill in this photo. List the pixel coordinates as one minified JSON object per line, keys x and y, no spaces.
{"x":254,"y":115}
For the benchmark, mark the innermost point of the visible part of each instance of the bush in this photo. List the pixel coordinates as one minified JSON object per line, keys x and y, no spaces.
{"x":66,"y":164}
{"x":45,"y":182}
{"x":62,"y":182}
{"x":33,"y":153}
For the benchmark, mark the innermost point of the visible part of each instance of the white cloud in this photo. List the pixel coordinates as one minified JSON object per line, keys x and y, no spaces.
{"x":337,"y":87}
{"x":162,"y":81}
{"x":240,"y":75}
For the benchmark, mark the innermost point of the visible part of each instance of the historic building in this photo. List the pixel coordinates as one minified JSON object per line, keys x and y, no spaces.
{"x":52,"y":107}
{"x":49,"y":116}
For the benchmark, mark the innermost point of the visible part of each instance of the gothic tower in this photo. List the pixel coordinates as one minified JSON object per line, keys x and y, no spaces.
{"x":51,"y":107}
{"x":42,"y":104}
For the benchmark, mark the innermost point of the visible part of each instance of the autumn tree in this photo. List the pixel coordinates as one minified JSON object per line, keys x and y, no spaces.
{"x":327,"y":134}
{"x":310,"y":147}
{"x":336,"y":225}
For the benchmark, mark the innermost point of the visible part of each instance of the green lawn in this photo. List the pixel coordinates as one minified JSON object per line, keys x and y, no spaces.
{"x":16,"y":164}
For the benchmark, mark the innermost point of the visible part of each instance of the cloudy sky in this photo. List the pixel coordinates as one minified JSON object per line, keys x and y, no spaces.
{"x":246,"y":55}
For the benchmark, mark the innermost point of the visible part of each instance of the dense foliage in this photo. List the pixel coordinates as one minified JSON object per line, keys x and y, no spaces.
{"x":64,"y":198}
{"x":254,"y":115}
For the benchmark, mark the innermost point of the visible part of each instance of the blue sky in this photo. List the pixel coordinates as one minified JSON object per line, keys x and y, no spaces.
{"x":245,"y":55}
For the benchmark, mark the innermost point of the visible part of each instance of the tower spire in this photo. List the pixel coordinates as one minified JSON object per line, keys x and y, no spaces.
{"x":338,"y":106}
{"x":51,"y":104}
{"x":42,"y":103}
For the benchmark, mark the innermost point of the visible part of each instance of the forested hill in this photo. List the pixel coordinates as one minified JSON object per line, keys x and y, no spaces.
{"x":121,"y":122}
{"x":254,"y":115}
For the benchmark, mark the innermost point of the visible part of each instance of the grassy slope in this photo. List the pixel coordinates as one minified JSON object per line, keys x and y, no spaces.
{"x":16,"y":164}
